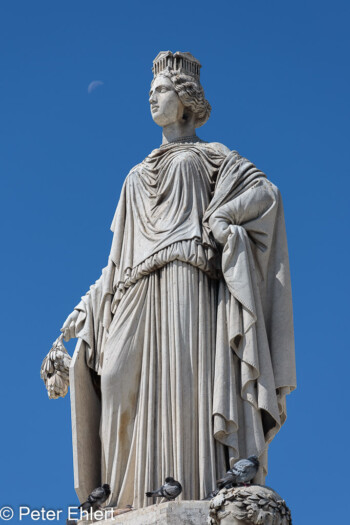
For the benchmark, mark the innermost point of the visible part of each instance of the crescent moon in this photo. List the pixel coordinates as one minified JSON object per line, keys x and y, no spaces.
{"x":93,"y":85}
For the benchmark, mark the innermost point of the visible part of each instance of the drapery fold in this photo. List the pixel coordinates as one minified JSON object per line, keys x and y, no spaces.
{"x":157,"y":387}
{"x":163,"y":219}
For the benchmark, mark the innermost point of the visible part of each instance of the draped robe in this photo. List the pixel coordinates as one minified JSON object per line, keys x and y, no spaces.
{"x":192,"y":341}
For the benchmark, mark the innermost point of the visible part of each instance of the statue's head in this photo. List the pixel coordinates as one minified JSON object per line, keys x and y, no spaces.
{"x":176,"y":92}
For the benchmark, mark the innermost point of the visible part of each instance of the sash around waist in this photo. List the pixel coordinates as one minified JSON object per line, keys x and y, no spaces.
{"x":190,"y":251}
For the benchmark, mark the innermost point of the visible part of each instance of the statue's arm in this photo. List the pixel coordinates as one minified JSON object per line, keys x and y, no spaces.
{"x":55,"y":366}
{"x":69,"y":326}
{"x":90,"y":318}
{"x":74,"y":322}
{"x":251,"y":209}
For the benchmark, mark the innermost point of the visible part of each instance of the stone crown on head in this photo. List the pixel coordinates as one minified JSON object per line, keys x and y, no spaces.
{"x":182,"y":62}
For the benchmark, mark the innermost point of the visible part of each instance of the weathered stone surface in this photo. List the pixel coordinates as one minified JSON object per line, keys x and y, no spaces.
{"x":252,"y":505}
{"x":172,"y":513}
{"x":55,"y":370}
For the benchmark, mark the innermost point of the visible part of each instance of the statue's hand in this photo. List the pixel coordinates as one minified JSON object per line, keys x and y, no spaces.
{"x":69,"y":327}
{"x":220,"y":228}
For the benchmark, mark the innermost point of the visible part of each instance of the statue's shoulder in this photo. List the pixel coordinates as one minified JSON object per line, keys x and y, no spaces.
{"x":216,"y":147}
{"x":134,"y":172}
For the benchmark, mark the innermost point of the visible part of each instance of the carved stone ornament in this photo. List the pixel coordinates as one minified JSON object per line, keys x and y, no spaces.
{"x":55,"y":370}
{"x":255,"y":504}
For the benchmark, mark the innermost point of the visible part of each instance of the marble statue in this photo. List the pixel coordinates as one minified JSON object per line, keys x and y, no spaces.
{"x":185,"y":348}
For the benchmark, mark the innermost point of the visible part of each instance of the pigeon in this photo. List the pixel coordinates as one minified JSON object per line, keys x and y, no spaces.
{"x":96,"y":498}
{"x":211,"y":495}
{"x":242,"y":472}
{"x":170,"y":490}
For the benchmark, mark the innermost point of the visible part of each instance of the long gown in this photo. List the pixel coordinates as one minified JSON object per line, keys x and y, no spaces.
{"x":193,"y":342}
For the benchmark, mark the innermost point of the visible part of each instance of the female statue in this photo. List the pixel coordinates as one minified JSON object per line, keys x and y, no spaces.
{"x":185,"y":352}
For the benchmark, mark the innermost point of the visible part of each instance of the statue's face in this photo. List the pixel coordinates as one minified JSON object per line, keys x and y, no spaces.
{"x":166,"y":107}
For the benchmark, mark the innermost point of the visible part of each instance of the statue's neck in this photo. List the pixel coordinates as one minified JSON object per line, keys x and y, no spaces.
{"x":178,"y":131}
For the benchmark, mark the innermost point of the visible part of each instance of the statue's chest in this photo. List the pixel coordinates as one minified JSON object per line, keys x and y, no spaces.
{"x":182,"y":185}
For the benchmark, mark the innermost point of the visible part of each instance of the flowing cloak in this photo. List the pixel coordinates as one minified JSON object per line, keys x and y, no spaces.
{"x":164,"y":216}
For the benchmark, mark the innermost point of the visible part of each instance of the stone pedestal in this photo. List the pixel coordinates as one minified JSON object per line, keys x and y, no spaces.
{"x":251,"y":505}
{"x":172,"y":513}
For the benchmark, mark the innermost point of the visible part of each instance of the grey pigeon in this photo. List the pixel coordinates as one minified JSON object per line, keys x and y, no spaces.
{"x":242,"y":472}
{"x":170,"y":490}
{"x":211,"y":495}
{"x":96,"y":498}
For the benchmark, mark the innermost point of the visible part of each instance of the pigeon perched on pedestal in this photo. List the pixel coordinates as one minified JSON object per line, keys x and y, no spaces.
{"x":242,"y":472}
{"x":96,"y":498}
{"x":211,"y":495}
{"x":170,"y":490}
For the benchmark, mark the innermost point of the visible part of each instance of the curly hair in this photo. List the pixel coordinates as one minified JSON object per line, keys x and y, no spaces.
{"x":191,"y":94}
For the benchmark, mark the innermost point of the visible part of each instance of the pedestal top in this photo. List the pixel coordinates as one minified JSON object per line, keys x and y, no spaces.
{"x":170,"y":513}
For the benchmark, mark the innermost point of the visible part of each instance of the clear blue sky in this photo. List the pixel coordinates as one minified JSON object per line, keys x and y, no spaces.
{"x":277,"y":76}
